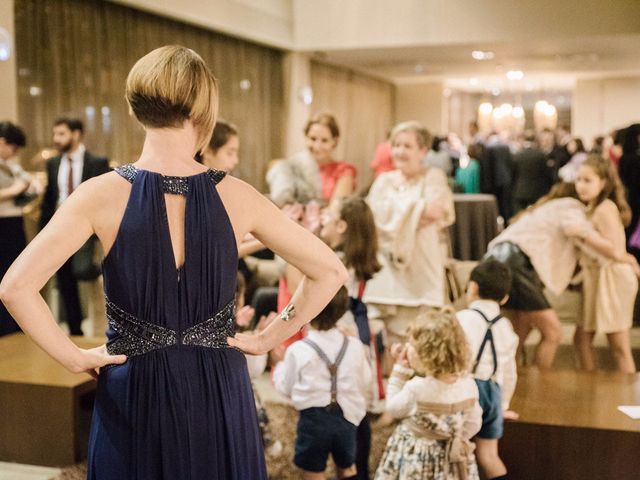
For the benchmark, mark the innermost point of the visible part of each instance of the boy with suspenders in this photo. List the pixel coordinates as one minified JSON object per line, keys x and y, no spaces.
{"x":493,"y":347}
{"x":327,"y":376}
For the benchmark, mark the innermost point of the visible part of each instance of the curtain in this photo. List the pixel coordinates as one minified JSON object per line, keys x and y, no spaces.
{"x":363,"y":107}
{"x":73,"y":58}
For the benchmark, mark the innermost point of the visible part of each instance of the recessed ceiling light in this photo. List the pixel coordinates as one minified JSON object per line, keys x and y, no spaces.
{"x":419,"y":68}
{"x":515,"y":74}
{"x":473,"y":81}
{"x":482,"y":55}
{"x":495,"y":92}
{"x":485,"y":108}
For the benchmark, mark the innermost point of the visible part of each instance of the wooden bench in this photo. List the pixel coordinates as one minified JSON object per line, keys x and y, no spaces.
{"x":570,"y":427}
{"x":45,"y":411}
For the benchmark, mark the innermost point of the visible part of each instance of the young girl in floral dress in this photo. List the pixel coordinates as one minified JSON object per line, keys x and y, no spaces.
{"x":430,"y":390}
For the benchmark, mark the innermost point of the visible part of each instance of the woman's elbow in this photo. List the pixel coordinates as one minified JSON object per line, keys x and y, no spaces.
{"x":340,"y":273}
{"x":7,"y":291}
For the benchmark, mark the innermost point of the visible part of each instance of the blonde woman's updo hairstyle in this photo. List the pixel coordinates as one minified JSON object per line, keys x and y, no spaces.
{"x":440,"y":343}
{"x":423,"y":137}
{"x":172,"y":84}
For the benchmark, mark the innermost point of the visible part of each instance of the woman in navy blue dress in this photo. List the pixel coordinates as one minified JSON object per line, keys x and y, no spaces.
{"x":174,"y":400}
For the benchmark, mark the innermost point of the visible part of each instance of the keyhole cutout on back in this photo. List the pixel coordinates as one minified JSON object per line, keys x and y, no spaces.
{"x":175,"y":206}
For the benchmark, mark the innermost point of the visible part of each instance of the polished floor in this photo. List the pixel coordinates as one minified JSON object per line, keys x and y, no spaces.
{"x":13,"y":471}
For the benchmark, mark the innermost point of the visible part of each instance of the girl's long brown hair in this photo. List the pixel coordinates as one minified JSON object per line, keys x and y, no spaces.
{"x":559,"y":190}
{"x":360,"y":243}
{"x":613,"y":188}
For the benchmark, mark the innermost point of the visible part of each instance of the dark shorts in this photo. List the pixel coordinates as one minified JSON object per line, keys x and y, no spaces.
{"x":321,"y":433}
{"x":527,"y":290}
{"x":491,"y":404}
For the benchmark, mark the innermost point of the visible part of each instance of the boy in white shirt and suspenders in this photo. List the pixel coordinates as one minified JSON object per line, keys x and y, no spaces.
{"x":327,"y":375}
{"x":493,"y":347}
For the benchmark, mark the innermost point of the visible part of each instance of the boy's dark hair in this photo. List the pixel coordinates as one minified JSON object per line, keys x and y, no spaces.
{"x":493,"y":279}
{"x":333,"y":312}
{"x":73,"y":124}
{"x":12,"y":134}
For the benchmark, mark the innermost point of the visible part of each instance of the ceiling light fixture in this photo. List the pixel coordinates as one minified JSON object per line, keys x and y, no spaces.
{"x":515,"y":74}
{"x":482,"y":55}
{"x":485,"y":108}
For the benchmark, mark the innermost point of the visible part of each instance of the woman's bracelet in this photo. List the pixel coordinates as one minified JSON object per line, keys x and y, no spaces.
{"x":288,"y":313}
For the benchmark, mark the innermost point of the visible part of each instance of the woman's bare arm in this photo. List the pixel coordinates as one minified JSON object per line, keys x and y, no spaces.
{"x":20,"y":289}
{"x":604,"y":237}
{"x":15,"y":189}
{"x":343,"y":188}
{"x":323,"y":271}
{"x":249,"y":246}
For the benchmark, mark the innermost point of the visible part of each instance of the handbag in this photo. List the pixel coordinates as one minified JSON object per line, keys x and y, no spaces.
{"x":83,"y":264}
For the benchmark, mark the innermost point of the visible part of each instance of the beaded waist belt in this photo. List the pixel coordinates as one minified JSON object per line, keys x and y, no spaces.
{"x":137,"y":336}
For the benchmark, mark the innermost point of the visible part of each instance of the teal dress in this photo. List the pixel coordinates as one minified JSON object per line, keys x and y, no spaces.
{"x":469,"y":177}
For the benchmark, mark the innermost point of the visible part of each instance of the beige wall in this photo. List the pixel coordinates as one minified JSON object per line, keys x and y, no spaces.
{"x":604,"y":104}
{"x":422,"y":102}
{"x":8,"y":76}
{"x":363,"y":107}
{"x":264,"y":21}
{"x":382,"y":23}
{"x":297,"y":75}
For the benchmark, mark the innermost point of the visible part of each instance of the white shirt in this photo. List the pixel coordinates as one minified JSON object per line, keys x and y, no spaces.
{"x":77,"y":159}
{"x":305,"y":378}
{"x":505,"y":340}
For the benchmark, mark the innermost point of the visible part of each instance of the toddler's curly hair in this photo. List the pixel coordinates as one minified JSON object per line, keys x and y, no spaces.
{"x":440,"y":343}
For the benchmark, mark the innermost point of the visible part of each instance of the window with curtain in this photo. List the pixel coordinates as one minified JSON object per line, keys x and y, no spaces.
{"x":363,"y":107}
{"x":73,"y":58}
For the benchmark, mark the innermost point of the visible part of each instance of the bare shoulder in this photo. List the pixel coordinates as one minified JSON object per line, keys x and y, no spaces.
{"x":607,"y":212}
{"x":238,"y":195}
{"x":232,"y":188}
{"x":243,"y":204}
{"x":103,"y":191}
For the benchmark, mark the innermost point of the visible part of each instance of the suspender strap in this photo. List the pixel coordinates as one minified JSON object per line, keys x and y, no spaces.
{"x":333,"y":367}
{"x":488,"y":338}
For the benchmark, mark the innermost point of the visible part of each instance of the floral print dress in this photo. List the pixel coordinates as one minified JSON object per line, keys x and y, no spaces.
{"x":432,"y":440}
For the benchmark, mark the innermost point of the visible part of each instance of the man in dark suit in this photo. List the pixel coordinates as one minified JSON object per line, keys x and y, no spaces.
{"x":65,"y":173}
{"x":533,"y":172}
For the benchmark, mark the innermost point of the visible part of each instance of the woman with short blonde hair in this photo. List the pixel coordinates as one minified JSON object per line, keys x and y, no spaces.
{"x":174,"y":399}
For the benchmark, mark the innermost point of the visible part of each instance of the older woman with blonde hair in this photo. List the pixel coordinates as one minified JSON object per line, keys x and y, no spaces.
{"x":411,"y":205}
{"x":173,"y":399}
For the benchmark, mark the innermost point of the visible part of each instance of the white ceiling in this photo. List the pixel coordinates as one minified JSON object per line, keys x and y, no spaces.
{"x":546,"y":63}
{"x":554,"y":42}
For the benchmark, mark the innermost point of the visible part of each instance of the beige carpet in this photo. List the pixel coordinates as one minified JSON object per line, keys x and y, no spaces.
{"x":280,"y":468}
